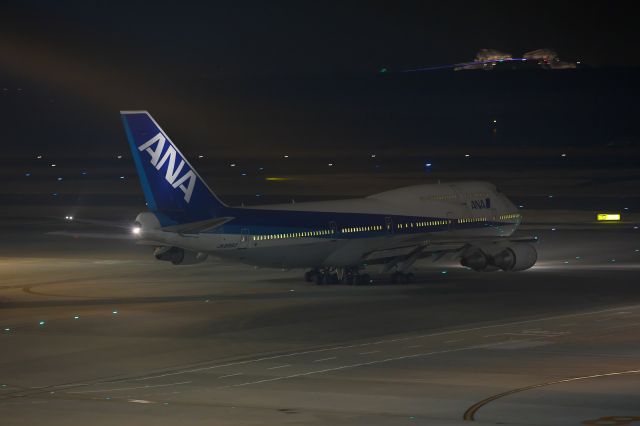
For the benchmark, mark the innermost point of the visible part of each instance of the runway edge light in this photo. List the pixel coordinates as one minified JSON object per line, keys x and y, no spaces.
{"x":608,"y":217}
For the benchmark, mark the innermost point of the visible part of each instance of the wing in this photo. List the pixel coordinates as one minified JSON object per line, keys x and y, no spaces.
{"x":414,"y":249}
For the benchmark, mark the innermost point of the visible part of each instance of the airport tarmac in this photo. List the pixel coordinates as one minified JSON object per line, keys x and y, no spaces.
{"x":96,"y":332}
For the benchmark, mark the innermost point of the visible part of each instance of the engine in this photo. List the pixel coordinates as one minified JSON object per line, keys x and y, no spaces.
{"x":179,"y":256}
{"x":514,"y":257}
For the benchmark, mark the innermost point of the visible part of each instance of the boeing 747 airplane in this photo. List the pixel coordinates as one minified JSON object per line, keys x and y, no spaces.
{"x":335,"y":240}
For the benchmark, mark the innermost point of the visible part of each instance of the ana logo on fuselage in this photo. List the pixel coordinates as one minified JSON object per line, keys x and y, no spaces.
{"x":481,"y":204}
{"x":169,"y":157}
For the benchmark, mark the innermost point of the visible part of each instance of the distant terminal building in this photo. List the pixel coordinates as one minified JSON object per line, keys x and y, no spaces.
{"x":485,"y":59}
{"x":548,"y":59}
{"x":490,"y":59}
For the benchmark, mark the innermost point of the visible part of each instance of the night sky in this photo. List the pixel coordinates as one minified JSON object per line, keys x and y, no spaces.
{"x":248,"y":82}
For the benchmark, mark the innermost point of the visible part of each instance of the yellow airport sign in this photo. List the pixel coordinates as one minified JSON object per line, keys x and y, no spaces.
{"x":277,"y":178}
{"x":608,"y":217}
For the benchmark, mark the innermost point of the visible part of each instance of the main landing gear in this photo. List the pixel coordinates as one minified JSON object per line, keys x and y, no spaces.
{"x":347,"y":276}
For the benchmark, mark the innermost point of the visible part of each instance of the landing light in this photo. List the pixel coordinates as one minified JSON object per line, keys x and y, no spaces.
{"x":608,"y":217}
{"x":136,"y":230}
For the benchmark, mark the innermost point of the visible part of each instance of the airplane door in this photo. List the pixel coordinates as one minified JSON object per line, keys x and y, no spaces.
{"x":451,"y":220}
{"x":388,"y":222}
{"x":244,"y":238}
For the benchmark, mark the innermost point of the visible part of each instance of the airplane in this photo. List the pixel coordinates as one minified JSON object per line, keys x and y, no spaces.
{"x":335,"y":240}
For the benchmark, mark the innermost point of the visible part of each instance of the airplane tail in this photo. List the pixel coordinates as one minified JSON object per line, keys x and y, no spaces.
{"x":172,"y":188}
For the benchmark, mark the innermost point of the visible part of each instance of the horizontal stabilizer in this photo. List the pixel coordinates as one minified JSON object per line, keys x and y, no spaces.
{"x":93,"y":235}
{"x":199,"y":226}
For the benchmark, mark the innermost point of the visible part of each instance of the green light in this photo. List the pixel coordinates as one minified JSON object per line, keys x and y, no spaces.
{"x":383,"y":70}
{"x":41,"y":323}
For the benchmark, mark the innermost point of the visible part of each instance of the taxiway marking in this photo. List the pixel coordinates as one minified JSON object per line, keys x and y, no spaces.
{"x":400,"y":339}
{"x":325,"y":359}
{"x":279,"y":366}
{"x":230,"y":375}
{"x":360,"y":364}
{"x":469,"y":415}
{"x":132,"y":388}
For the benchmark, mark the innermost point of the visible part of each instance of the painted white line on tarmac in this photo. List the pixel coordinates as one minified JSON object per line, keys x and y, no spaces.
{"x":361,"y":364}
{"x":325,"y":359}
{"x":230,"y":375}
{"x":369,"y":352}
{"x":442,"y":333}
{"x":132,"y":388}
{"x":142,"y":401}
{"x":279,"y":366}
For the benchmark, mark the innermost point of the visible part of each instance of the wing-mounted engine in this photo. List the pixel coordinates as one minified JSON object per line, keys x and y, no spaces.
{"x":179,"y":256}
{"x":512,"y":257}
{"x":516,"y":257}
{"x":478,"y":260}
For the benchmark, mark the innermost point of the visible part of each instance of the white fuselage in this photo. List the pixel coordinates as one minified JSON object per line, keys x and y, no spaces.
{"x":354,"y":231}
